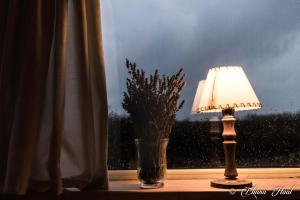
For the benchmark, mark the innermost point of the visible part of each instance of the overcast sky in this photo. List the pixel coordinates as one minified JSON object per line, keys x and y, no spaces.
{"x":261,"y":35}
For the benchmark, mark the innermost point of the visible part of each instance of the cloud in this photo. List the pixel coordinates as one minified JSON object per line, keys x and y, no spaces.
{"x":261,"y":35}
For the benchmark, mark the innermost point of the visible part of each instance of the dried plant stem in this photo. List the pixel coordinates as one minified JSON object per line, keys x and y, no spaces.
{"x":152,"y":102}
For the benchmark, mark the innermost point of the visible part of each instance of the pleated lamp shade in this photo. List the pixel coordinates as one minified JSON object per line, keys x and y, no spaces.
{"x":225,"y":87}
{"x":198,"y":96}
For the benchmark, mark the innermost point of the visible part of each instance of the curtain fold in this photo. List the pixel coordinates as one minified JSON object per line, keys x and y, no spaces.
{"x":59,"y":72}
{"x":53,"y":103}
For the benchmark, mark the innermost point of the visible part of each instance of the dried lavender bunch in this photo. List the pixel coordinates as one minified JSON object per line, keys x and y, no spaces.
{"x":152,"y":102}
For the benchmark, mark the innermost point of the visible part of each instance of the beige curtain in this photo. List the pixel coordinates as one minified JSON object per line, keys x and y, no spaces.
{"x":53,"y":104}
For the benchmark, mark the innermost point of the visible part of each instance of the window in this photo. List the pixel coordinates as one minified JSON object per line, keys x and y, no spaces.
{"x":262,"y":36}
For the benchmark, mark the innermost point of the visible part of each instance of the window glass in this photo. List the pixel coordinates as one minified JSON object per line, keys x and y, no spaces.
{"x":261,"y":35}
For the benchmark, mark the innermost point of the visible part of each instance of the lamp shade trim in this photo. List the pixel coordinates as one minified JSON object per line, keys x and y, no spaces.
{"x":242,"y":106}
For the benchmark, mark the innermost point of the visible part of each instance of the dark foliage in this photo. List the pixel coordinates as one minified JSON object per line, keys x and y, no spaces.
{"x":263,"y":141}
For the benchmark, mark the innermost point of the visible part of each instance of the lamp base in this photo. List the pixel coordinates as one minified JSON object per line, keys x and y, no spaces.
{"x":231,"y":183}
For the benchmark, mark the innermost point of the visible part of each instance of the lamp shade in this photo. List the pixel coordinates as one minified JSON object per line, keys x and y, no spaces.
{"x":198,"y":96}
{"x":225,"y":87}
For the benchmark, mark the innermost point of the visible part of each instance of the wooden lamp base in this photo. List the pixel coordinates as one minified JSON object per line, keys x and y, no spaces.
{"x":231,"y":183}
{"x":229,"y":144}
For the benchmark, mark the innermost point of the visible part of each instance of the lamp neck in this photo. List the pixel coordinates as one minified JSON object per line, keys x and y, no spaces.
{"x":228,"y":111}
{"x":229,"y":143}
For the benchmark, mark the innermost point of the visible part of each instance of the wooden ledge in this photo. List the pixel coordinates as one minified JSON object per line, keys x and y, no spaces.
{"x":195,"y":189}
{"x":188,"y":174}
{"x":174,"y":189}
{"x":200,"y":189}
{"x":200,"y":185}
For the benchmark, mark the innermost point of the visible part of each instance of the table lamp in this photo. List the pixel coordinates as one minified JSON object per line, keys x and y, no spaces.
{"x":226,"y":89}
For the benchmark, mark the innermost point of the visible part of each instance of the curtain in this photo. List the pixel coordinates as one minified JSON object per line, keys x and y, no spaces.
{"x":53,"y":103}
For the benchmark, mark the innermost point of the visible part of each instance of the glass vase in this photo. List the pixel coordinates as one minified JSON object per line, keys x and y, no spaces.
{"x":151,"y":162}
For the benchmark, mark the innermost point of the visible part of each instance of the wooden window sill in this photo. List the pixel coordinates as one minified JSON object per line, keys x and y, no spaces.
{"x":195,"y":189}
{"x":188,"y":174}
{"x":188,"y":184}
{"x":200,"y":185}
{"x":195,"y":184}
{"x":192,"y":189}
{"x":186,"y":190}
